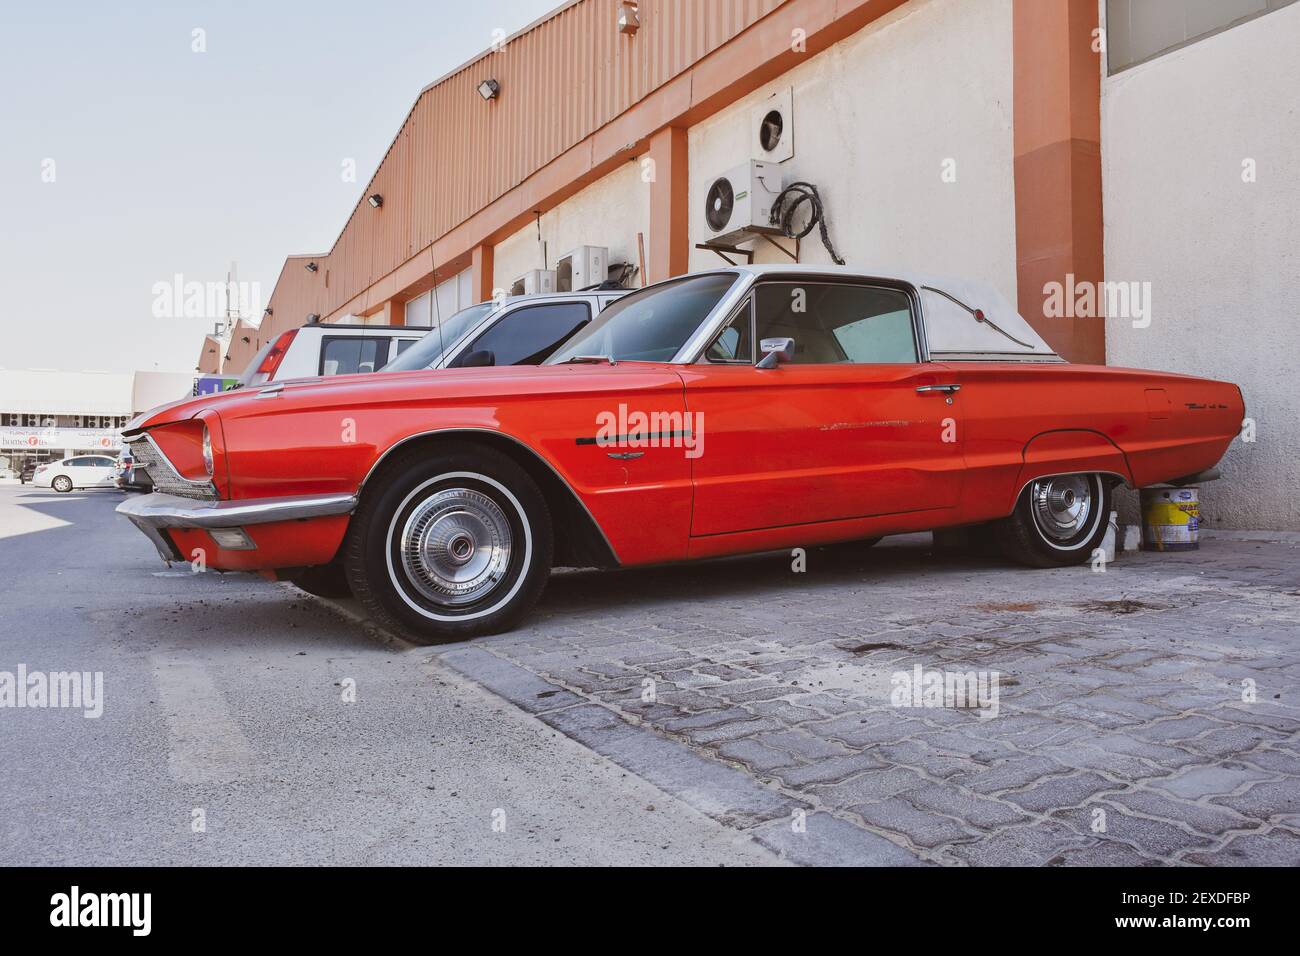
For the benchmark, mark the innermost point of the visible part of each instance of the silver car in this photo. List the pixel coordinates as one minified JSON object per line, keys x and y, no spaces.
{"x":523,"y":330}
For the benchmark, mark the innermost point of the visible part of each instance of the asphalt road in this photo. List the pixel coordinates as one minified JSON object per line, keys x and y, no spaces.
{"x":223,"y":705}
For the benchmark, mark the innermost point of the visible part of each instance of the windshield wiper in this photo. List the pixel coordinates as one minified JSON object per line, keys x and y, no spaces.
{"x":978,"y":315}
{"x":588,"y":360}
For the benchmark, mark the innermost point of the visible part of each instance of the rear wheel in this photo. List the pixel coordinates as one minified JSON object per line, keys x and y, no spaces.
{"x":452,"y":543}
{"x":62,"y":484}
{"x":1059,"y":521}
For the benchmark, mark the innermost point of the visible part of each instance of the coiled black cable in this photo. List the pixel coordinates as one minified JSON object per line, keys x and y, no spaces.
{"x":784,"y":209}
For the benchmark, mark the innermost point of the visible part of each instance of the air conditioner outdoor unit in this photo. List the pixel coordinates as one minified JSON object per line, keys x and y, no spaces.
{"x":738,"y":204}
{"x":772,"y":122}
{"x":534,"y":281}
{"x":583,"y":267}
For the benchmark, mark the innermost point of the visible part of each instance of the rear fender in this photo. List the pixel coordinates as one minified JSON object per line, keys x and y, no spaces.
{"x":1068,"y":452}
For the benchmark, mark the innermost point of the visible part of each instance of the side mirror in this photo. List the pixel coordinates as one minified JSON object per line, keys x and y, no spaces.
{"x":479,"y":358}
{"x":774,"y":351}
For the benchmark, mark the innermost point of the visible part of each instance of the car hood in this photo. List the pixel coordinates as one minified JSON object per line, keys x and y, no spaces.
{"x":423,"y":386}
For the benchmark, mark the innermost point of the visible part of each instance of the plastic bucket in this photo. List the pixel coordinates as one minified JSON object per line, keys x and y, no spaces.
{"x":1171,"y":519}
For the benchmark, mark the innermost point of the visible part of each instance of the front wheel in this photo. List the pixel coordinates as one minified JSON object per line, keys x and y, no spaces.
{"x":62,"y":484}
{"x":1059,"y":521}
{"x":452,"y":543}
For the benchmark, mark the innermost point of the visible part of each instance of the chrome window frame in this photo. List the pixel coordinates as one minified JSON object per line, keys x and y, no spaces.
{"x":747,"y":305}
{"x":713,"y":324}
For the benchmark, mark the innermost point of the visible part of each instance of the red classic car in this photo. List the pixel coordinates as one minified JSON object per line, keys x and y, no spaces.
{"x":741,"y":410}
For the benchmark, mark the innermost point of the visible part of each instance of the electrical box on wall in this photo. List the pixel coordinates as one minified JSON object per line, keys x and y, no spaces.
{"x":533,"y":282}
{"x":583,"y":267}
{"x":772,"y":122}
{"x":738,"y":204}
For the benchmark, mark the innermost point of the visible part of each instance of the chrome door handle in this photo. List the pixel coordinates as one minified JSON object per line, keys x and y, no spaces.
{"x":939,"y":388}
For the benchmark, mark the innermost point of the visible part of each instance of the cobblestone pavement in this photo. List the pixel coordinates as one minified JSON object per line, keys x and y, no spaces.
{"x":1147,"y":714}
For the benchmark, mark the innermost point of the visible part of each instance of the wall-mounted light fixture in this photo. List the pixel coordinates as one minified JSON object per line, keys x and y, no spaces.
{"x":313,"y":318}
{"x":489,"y":89}
{"x":629,"y":18}
{"x":312,"y":267}
{"x":375,"y":200}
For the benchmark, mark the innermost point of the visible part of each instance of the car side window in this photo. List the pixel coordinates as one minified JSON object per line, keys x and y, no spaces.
{"x":837,"y":323}
{"x":529,"y":335}
{"x":734,"y":344}
{"x":348,"y":355}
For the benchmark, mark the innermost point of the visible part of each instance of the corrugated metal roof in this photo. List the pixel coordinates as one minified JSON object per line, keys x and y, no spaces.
{"x":562,"y":78}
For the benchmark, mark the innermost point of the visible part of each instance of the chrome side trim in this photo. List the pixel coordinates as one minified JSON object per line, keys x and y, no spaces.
{"x":496,"y":434}
{"x":172,"y":511}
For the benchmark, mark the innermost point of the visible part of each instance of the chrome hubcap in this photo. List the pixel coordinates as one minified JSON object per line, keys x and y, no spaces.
{"x":456,"y":546}
{"x":1062,"y":505}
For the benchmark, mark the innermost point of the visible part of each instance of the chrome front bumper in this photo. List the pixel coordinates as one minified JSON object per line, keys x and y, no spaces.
{"x":152,"y":512}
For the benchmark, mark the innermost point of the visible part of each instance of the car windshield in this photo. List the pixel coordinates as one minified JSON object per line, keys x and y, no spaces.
{"x":426,"y":352}
{"x":651,"y":325}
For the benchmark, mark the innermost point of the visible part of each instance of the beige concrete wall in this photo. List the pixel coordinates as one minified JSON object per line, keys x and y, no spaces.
{"x":1222,"y":253}
{"x":876,"y":117}
{"x":610,"y":212}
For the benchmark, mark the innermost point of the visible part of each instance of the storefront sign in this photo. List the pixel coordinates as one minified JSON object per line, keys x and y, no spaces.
{"x":211,"y":384}
{"x":13,"y":437}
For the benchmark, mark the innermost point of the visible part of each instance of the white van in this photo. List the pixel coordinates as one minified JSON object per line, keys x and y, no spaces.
{"x":316,"y":350}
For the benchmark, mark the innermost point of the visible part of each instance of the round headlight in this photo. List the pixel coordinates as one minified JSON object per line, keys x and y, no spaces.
{"x":207,"y":449}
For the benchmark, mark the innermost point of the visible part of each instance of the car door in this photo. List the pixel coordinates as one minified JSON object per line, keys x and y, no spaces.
{"x":855,"y":425}
{"x":528,"y":335}
{"x":82,"y":471}
{"x":106,"y":469}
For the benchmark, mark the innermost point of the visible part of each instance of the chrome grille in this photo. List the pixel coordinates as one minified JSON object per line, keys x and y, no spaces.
{"x":164,"y":476}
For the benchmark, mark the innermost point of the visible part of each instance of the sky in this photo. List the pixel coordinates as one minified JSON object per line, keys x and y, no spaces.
{"x":129,"y":158}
